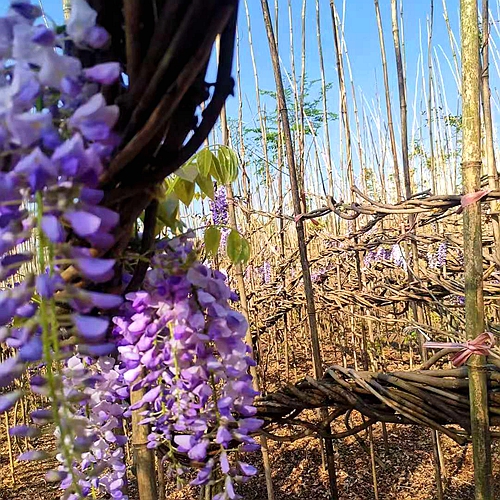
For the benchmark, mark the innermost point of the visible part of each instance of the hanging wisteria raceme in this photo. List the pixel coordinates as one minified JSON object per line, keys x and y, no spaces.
{"x":100,"y":394}
{"x":183,"y":344}
{"x":56,"y":138}
{"x":264,"y":272}
{"x":220,"y":212}
{"x":392,"y":254}
{"x":437,"y":259}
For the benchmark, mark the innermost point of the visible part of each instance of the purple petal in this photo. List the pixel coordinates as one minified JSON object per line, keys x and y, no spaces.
{"x":53,"y":229}
{"x":105,"y":300}
{"x":224,"y":462}
{"x":223,"y":436}
{"x":91,"y":196}
{"x":247,"y":469}
{"x":42,"y":416}
{"x":97,"y":37}
{"x":152,"y":395}
{"x":184,"y":442}
{"x":7,"y":401}
{"x":25,"y":9}
{"x":105,"y":73}
{"x":31,"y":350}
{"x":98,"y":270}
{"x":25,"y":431}
{"x":83,"y":223}
{"x":199,"y":451}
{"x":97,"y":349}
{"x":91,"y":328}
{"x":43,"y":36}
{"x":33,"y":455}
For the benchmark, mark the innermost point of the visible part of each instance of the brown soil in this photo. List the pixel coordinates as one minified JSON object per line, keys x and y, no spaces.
{"x":404,"y":470}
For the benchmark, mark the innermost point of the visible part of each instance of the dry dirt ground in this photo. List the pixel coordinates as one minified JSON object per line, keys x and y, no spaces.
{"x":404,"y":469}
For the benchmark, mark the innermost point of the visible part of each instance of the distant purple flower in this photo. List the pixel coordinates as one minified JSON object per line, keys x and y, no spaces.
{"x":219,"y":207}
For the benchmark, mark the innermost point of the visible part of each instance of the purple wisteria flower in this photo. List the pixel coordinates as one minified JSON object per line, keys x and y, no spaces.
{"x":56,"y":137}
{"x":182,"y":342}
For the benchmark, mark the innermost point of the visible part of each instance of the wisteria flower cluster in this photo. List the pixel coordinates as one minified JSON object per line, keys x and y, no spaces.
{"x":55,"y":139}
{"x":220,"y":214}
{"x":392,"y":254}
{"x":183,"y":344}
{"x":321,"y":275}
{"x":264,"y":272}
{"x":437,"y":259}
{"x":99,"y":409}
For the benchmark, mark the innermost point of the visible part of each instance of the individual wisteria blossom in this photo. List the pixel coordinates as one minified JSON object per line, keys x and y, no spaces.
{"x":180,"y":340}
{"x":56,"y":137}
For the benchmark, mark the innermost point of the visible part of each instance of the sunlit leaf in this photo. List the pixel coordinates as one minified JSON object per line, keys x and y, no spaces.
{"x":212,"y":240}
{"x":234,"y":246}
{"x":184,"y":190}
{"x":245,"y":251}
{"x":206,"y":185}
{"x":188,"y":171}
{"x":205,"y":160}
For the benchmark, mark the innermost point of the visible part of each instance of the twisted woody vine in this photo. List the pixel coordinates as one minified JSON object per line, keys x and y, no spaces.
{"x":82,"y":349}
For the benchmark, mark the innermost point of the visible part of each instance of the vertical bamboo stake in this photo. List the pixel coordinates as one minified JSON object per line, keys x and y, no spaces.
{"x":244,"y":304}
{"x":66,"y":9}
{"x":488,"y":126}
{"x":343,"y":99}
{"x":473,"y":258}
{"x":328,"y":153}
{"x":9,"y":447}
{"x":432,"y":162}
{"x":390,"y":123}
{"x":259,"y":108}
{"x":306,"y":275}
{"x":416,"y":309}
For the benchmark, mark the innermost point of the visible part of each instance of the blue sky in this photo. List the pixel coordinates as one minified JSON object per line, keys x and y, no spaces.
{"x":362,"y":43}
{"x":360,"y":33}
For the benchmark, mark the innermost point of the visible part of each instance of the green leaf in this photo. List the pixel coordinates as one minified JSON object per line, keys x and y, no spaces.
{"x":205,"y":160}
{"x":217,"y":172}
{"x":245,"y":251}
{"x":228,"y":161}
{"x":212,"y":240}
{"x":184,"y":190}
{"x":206,"y":185}
{"x":234,"y":246}
{"x":168,"y":212}
{"x":188,"y":171}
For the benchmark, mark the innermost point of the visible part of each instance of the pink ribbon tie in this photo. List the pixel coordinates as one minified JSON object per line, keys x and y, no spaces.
{"x":481,"y":346}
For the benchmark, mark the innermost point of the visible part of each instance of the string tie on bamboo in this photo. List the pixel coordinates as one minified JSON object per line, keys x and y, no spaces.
{"x":481,"y":346}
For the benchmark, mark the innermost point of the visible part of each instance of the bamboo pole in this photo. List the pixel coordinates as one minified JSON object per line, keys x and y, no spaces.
{"x":66,"y":5}
{"x":306,"y":274}
{"x":144,"y":458}
{"x":327,"y":147}
{"x":473,"y":258}
{"x":488,"y":126}
{"x":432,"y":162}
{"x":390,"y":123}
